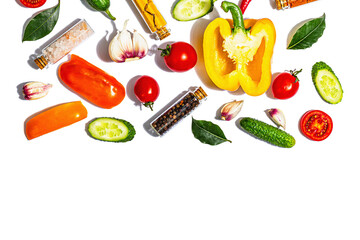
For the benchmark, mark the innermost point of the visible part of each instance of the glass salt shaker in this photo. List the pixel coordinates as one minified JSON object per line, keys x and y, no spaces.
{"x":177,"y":111}
{"x":64,"y":44}
{"x":285,"y":4}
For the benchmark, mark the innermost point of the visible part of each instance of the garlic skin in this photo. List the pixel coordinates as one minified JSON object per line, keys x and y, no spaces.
{"x":127,"y":46}
{"x":231,"y":109}
{"x":35,"y":90}
{"x":277,"y":116}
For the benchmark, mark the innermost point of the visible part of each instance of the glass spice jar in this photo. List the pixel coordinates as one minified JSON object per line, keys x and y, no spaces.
{"x":64,"y":44}
{"x":177,"y":111}
{"x":285,"y":4}
{"x":153,"y":18}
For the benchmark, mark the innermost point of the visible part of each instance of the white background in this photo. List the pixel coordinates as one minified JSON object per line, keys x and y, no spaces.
{"x":66,"y":185}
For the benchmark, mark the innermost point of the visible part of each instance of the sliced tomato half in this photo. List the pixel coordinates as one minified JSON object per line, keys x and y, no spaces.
{"x":316,"y":125}
{"x":33,"y":3}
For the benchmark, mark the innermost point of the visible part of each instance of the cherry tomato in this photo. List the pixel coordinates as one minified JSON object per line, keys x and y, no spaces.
{"x":33,"y":3}
{"x":147,"y":90}
{"x":286,"y":84}
{"x":316,"y":125}
{"x":179,"y":56}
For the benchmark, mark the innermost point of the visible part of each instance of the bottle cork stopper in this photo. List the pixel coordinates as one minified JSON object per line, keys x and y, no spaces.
{"x":162,"y":33}
{"x":41,"y":62}
{"x":200,"y":93}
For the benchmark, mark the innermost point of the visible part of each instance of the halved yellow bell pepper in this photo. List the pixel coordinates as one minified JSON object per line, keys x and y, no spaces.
{"x":238,"y":52}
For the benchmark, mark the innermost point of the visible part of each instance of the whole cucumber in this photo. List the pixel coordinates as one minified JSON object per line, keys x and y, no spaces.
{"x":267,"y":132}
{"x":101,"y":6}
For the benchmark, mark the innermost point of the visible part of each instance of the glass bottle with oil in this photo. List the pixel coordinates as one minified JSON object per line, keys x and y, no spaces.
{"x":285,"y":4}
{"x":153,"y":18}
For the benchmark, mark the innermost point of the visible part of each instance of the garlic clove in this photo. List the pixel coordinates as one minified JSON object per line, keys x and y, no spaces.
{"x":127,"y":46}
{"x":230,"y":110}
{"x":141,"y":47}
{"x":125,"y":41}
{"x":35,"y":90}
{"x":116,"y":52}
{"x":277,"y":116}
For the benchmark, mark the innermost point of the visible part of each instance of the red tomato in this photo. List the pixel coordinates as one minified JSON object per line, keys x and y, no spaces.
{"x":286,"y":84}
{"x":33,"y":3}
{"x":147,"y":90}
{"x":316,"y":125}
{"x":179,"y":56}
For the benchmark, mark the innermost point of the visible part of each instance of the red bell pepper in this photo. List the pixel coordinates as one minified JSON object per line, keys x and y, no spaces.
{"x":91,"y":83}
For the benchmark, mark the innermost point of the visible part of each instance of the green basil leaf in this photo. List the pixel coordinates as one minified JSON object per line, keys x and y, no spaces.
{"x":308,"y":33}
{"x":207,"y":132}
{"x":42,"y":24}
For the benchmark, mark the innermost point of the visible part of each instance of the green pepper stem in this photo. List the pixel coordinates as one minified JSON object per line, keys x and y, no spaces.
{"x":236,"y":13}
{"x":109,"y":14}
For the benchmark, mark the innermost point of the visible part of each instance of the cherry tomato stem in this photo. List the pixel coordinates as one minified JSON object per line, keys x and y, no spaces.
{"x":295,"y":73}
{"x":166,"y":51}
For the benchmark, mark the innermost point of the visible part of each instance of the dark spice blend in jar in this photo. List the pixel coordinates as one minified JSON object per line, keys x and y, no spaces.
{"x":179,"y":110}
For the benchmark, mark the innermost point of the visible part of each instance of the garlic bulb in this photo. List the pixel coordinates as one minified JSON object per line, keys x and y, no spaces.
{"x":127,"y":46}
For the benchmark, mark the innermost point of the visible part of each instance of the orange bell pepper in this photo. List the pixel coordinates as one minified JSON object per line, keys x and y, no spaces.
{"x":91,"y":83}
{"x":54,"y":118}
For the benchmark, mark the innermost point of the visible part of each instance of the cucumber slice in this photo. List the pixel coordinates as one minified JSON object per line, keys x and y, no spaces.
{"x":111,"y":130}
{"x":187,"y":10}
{"x":326,"y":83}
